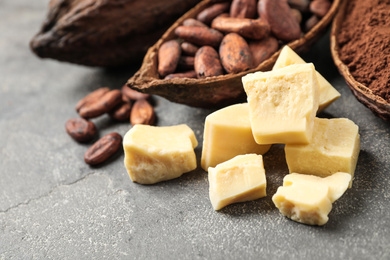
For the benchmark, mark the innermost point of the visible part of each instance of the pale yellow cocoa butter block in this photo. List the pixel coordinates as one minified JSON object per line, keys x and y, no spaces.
{"x":228,"y":133}
{"x":282,"y":104}
{"x":328,"y":93}
{"x":308,"y":199}
{"x":335,"y":147}
{"x":154,"y":154}
{"x":237,"y":180}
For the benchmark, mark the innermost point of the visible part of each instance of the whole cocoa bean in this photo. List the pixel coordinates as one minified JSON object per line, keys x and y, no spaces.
{"x":301,"y":5}
{"x":279,"y":16}
{"x":297,"y":14}
{"x":243,"y":8}
{"x":131,"y":94}
{"x":263,"y":49}
{"x":186,"y":63}
{"x":208,"y":14}
{"x":193,"y":22}
{"x":187,"y":74}
{"x":207,"y":63}
{"x":103,"y":149}
{"x":311,"y":22}
{"x":80,"y":129}
{"x":168,"y":57}
{"x":235,"y":54}
{"x":189,"y":48}
{"x":121,"y":112}
{"x":249,"y":28}
{"x":103,"y":105}
{"x":93,"y":96}
{"x":199,"y":35}
{"x":320,"y":7}
{"x":142,"y":113}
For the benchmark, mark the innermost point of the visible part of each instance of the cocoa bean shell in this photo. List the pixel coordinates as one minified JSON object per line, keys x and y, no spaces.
{"x":104,"y":33}
{"x":379,"y":106}
{"x":214,"y":91}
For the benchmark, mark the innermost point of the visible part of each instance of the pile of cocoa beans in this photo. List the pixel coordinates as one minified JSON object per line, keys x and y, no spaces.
{"x":121,"y":105}
{"x":231,"y":37}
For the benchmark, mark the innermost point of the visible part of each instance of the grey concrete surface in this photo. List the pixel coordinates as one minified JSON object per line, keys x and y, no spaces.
{"x":53,"y":206}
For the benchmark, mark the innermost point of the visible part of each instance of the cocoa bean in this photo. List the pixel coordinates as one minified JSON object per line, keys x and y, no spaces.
{"x":168,"y":57}
{"x":243,"y":8}
{"x":207,"y":63}
{"x":142,"y":113}
{"x":263,"y":49}
{"x":235,"y":54}
{"x":249,"y":28}
{"x":131,"y":94}
{"x":320,"y":7}
{"x":278,"y":14}
{"x":103,"y":149}
{"x":301,"y":5}
{"x":186,"y":63}
{"x":199,"y":35}
{"x":311,"y":22}
{"x":103,"y":105}
{"x":187,"y":74}
{"x":193,"y":22}
{"x":121,"y":112}
{"x":80,"y":129}
{"x":93,"y":96}
{"x":297,"y":14}
{"x":208,"y":14}
{"x":189,"y":48}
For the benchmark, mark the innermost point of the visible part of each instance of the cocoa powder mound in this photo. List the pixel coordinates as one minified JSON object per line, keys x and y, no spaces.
{"x":364,"y":42}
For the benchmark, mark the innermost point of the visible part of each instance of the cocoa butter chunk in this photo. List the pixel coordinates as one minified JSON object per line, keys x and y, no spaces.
{"x":249,"y":28}
{"x":237,"y":180}
{"x":199,"y":35}
{"x":243,"y":8}
{"x":207,"y":63}
{"x":308,"y":199}
{"x":155,"y":154}
{"x":208,"y":14}
{"x":168,"y":57}
{"x":263,"y":49}
{"x":235,"y":54}
{"x":278,"y":14}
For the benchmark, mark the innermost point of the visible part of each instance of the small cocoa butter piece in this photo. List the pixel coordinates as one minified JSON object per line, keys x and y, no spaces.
{"x":188,"y":48}
{"x":320,"y":7}
{"x":235,"y":54}
{"x":91,"y":97}
{"x":263,"y":49}
{"x":187,"y":74}
{"x":249,"y":28}
{"x":168,"y":57}
{"x":243,"y":8}
{"x":209,"y":13}
{"x":193,"y":22}
{"x":279,"y":16}
{"x":199,"y":35}
{"x":130,"y":94}
{"x":142,"y":113}
{"x":207,"y":63}
{"x":102,"y":105}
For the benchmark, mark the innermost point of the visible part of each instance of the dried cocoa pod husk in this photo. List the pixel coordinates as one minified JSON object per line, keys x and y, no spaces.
{"x":379,"y":106}
{"x":249,"y":28}
{"x":213,"y":91}
{"x":235,"y":54}
{"x":104,"y":32}
{"x":187,"y":74}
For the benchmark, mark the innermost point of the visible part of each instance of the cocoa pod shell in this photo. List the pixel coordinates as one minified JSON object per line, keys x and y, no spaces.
{"x":104,"y":32}
{"x":213,"y":91}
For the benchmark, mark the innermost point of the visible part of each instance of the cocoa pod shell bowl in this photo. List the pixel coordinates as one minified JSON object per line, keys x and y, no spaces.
{"x":104,"y":32}
{"x":379,"y":106}
{"x":213,"y":91}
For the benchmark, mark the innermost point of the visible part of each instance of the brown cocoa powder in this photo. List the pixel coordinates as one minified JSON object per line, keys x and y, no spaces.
{"x":364,"y":42}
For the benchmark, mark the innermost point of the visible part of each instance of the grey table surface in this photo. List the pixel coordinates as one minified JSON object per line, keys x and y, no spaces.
{"x":54,"y":206}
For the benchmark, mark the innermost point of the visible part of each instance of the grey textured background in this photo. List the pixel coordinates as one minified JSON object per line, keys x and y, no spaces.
{"x":53,"y":206}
